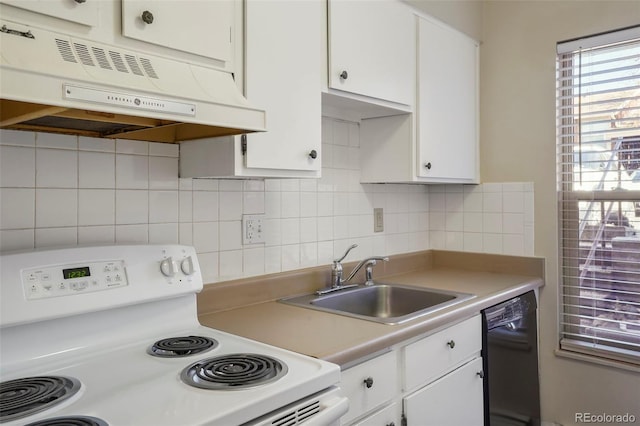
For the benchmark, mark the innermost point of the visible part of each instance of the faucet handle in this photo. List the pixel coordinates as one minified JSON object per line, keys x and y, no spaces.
{"x":345,"y":254}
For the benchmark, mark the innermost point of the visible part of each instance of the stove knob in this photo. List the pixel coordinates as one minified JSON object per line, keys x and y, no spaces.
{"x":168,"y":267}
{"x":187,"y":266}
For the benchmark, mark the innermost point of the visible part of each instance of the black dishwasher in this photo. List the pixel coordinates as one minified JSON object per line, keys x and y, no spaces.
{"x":510,"y":361}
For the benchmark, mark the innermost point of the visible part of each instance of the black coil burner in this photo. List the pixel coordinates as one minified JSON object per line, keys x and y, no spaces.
{"x":173,"y":347}
{"x":70,"y":421}
{"x":235,"y":371}
{"x":23,"y":397}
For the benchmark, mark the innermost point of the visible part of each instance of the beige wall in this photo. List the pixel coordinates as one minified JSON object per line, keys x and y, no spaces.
{"x":518,"y":144}
{"x":464,"y":15}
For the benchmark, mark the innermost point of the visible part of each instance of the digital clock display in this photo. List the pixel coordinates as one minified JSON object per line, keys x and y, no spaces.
{"x":76,"y":273}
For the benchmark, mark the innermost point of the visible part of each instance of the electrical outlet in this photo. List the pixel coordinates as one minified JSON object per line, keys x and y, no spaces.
{"x":378,"y":220}
{"x":252,"y":229}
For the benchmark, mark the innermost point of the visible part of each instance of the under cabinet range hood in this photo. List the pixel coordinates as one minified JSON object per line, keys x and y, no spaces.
{"x":52,"y":82}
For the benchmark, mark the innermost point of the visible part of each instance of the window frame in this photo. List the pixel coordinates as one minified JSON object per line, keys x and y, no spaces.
{"x":568,"y":136}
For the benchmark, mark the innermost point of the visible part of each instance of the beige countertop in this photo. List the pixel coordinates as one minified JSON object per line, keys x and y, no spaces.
{"x":343,"y":340}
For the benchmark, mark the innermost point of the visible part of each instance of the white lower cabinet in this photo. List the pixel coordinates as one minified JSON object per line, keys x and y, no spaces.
{"x":443,"y":375}
{"x":453,"y":400}
{"x":436,"y":380}
{"x":370,"y":384}
{"x":390,"y":415}
{"x":431,"y":357}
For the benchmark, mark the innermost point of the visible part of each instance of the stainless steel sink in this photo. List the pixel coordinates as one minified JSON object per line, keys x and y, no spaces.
{"x":384,"y":303}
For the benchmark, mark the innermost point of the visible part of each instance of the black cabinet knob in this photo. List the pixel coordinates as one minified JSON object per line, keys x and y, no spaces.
{"x":480,"y":374}
{"x":451,"y":344}
{"x":428,"y":166}
{"x":313,"y":154}
{"x":368,"y":382}
{"x":80,"y":1}
{"x":147,"y":17}
{"x":344,"y":75}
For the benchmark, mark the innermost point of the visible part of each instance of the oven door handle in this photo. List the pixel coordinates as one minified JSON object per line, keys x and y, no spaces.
{"x":334,"y":409}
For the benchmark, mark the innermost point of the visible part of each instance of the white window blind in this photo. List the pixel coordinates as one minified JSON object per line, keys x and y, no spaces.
{"x":598,"y":131}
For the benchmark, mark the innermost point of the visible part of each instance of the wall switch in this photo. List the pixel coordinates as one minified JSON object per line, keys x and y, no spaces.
{"x":252,"y":229}
{"x":378,"y":220}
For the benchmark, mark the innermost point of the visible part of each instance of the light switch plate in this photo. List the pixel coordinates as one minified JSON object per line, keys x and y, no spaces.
{"x":252,"y":229}
{"x":378,"y":220}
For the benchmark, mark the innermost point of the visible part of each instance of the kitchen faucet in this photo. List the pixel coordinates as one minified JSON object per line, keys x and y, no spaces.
{"x":337,"y":283}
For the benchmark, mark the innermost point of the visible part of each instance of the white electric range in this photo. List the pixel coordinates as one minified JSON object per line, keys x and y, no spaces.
{"x":110,"y":336}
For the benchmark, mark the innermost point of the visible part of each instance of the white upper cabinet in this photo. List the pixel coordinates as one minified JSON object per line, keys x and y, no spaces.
{"x":439,"y":142}
{"x":447,"y":108}
{"x":193,"y":26}
{"x":78,"y":11}
{"x":371,"y":51}
{"x":282,"y":75}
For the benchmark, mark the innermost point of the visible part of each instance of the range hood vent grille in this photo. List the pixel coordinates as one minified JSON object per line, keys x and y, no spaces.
{"x":92,"y":55}
{"x":64,"y":47}
{"x":52,"y":82}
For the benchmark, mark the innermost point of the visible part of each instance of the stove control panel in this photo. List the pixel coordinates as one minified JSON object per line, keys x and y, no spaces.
{"x":71,"y":279}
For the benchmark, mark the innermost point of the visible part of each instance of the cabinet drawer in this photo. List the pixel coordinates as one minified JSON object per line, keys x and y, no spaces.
{"x":431,"y":357}
{"x":388,"y":416}
{"x":370,"y":384}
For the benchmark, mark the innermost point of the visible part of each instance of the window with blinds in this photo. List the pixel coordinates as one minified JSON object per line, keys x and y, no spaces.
{"x":598,"y":131}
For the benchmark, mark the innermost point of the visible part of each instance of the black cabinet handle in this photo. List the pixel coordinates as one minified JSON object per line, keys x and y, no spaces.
{"x":451,"y":344}
{"x":480,"y":374}
{"x":344,"y":75}
{"x":368,"y":382}
{"x":147,"y":17}
{"x":428,"y":166}
{"x":313,"y":154}
{"x":80,"y":1}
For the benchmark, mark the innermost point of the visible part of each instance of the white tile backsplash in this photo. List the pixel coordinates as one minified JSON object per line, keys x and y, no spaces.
{"x":17,"y":166}
{"x":17,"y":138}
{"x":163,"y":173}
{"x":230,"y":206}
{"x":132,"y":171}
{"x":56,"y":168}
{"x":103,"y":234}
{"x":163,"y":206}
{"x":96,"y":144}
{"x":56,"y":207}
{"x":17,"y":208}
{"x":96,"y":207}
{"x":132,"y":206}
{"x":96,"y":170}
{"x":65,"y":190}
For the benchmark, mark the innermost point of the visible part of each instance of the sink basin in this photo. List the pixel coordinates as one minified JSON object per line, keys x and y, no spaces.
{"x":384,"y":303}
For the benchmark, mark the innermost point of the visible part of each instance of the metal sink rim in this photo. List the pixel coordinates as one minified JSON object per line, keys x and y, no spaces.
{"x":306,"y":301}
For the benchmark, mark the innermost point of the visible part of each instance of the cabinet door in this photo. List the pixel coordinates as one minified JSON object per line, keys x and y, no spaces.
{"x":453,"y":400}
{"x":85,"y":13}
{"x":371,"y":49}
{"x":447,"y":106}
{"x":283,"y":76}
{"x":193,"y":26}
